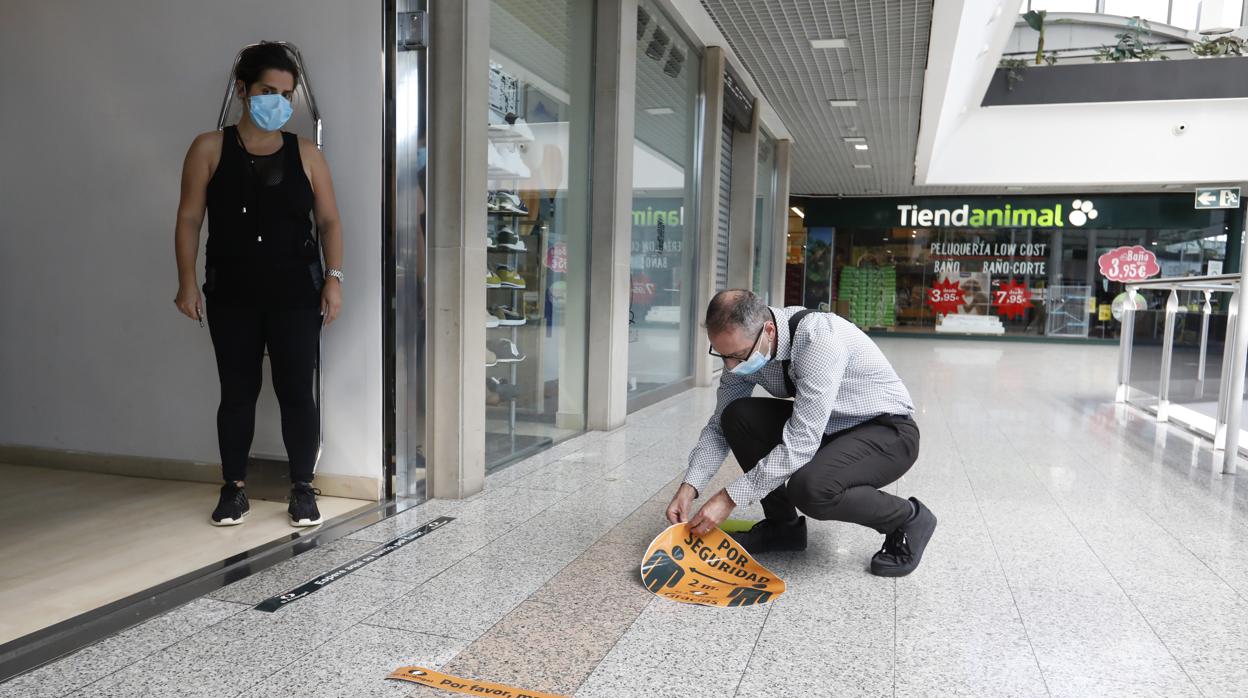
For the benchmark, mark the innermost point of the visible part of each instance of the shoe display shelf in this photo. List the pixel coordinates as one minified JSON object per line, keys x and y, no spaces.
{"x":505,"y":175}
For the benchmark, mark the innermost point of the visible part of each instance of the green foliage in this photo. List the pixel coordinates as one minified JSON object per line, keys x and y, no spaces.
{"x":1220,"y":47}
{"x":1131,"y":46}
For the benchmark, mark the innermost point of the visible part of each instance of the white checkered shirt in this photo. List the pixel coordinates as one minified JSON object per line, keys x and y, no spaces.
{"x":842,"y":380}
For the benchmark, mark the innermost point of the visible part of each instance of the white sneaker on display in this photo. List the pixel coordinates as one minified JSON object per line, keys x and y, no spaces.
{"x":494,"y":158}
{"x":509,"y":202}
{"x":513,"y":163}
{"x":506,"y":351}
{"x":522,"y":130}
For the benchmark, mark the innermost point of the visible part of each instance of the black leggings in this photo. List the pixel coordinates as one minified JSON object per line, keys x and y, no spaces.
{"x":239,"y":338}
{"x":842,"y":482}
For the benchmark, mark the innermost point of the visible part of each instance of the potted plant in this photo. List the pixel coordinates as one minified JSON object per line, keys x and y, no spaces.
{"x":1220,"y":47}
{"x":1131,"y":46}
{"x":1035,"y":20}
{"x":1014,"y":68}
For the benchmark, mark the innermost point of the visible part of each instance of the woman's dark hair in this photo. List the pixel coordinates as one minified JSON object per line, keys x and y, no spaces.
{"x":266,"y":55}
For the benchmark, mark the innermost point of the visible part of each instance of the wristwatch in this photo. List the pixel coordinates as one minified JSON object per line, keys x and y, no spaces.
{"x":336,"y":273}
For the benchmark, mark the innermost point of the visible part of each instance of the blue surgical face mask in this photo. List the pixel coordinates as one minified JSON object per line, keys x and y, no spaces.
{"x":269,"y":112}
{"x":421,"y":156}
{"x":751,"y":365}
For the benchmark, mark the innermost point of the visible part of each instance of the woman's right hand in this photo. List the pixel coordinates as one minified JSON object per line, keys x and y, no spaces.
{"x":190,"y":302}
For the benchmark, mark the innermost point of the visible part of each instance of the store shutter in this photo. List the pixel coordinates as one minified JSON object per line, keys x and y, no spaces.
{"x":725,"y":201}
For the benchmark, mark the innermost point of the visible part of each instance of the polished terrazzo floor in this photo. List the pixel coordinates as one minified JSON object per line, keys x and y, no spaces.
{"x":1082,"y":551}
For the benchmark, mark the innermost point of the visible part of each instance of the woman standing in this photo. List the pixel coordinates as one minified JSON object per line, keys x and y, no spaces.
{"x":263,"y":277}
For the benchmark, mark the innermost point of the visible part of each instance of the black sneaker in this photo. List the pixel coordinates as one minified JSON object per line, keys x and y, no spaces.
{"x":507,"y":239}
{"x":233,"y":506}
{"x":904,"y":547}
{"x":302,"y":509}
{"x":770,"y":535}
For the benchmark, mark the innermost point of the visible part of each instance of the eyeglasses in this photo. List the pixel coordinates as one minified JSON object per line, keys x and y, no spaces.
{"x":737,"y":357}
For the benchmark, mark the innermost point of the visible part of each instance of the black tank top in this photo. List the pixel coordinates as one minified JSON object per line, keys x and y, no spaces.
{"x":261,"y":250}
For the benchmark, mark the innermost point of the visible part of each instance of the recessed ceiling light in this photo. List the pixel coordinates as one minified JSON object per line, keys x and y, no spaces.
{"x":1172,"y":186}
{"x":861,"y":146}
{"x":874,"y":191}
{"x":861,"y":167}
{"x":659,"y":111}
{"x":843,"y":102}
{"x":1013,"y":188}
{"x":854,"y":139}
{"x":827,"y":43}
{"x":798,"y":211}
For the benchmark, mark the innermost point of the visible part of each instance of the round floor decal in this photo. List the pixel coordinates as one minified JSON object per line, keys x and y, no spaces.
{"x":711,"y":570}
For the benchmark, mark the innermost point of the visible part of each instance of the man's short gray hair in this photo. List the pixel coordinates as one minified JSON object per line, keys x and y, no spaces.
{"x":736,"y":308}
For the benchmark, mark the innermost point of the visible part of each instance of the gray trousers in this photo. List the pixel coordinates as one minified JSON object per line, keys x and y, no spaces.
{"x":842,"y":482}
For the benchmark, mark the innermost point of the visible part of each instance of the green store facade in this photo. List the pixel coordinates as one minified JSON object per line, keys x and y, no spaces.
{"x":1025,"y":265}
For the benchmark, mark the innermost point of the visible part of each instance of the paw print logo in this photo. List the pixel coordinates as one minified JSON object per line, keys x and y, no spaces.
{"x":1081,"y":212}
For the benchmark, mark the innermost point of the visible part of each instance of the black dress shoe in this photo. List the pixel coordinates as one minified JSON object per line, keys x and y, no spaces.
{"x":770,"y":535}
{"x":904,"y":547}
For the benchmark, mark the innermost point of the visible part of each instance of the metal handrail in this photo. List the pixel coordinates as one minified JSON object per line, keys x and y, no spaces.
{"x":304,"y":86}
{"x":1215,"y":282}
{"x":1230,"y":389}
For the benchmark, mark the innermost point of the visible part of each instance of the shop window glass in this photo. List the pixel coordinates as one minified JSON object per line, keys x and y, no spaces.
{"x":537,"y":237}
{"x":662,"y":316}
{"x":1018,"y":270}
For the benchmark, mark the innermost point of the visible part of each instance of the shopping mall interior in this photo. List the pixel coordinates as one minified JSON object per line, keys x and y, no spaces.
{"x":1016,"y":226}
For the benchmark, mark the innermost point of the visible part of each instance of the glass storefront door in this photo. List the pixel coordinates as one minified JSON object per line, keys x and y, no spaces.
{"x":662,"y":317}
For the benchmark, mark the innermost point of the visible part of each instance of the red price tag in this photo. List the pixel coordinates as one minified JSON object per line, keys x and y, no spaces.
{"x":557,"y":258}
{"x":945,"y":297}
{"x":1012,"y":299}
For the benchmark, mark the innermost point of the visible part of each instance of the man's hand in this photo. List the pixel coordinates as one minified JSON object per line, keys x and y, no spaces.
{"x":713,"y":513}
{"x":682,"y":503}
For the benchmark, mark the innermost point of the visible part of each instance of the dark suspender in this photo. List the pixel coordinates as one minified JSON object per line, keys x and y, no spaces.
{"x":793,"y":323}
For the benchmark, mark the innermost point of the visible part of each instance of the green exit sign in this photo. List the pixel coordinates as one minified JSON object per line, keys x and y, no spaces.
{"x":1217,"y":197}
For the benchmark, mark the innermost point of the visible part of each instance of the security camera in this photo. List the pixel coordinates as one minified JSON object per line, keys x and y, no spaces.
{"x":1180,"y":129}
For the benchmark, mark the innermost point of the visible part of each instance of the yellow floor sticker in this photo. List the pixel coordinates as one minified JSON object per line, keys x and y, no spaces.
{"x":456,"y":684}
{"x":712,"y":570}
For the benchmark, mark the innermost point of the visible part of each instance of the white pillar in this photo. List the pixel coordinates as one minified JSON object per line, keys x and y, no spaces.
{"x":612,"y":184}
{"x":459,"y":70}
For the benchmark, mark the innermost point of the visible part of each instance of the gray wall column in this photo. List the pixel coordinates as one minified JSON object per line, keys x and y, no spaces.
{"x":573,"y":347}
{"x":612,"y":184}
{"x":780,"y":245}
{"x":708,"y":212}
{"x":459,"y":67}
{"x":744,"y":196}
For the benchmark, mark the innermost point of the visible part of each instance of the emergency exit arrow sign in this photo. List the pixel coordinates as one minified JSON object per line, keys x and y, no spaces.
{"x":1217,"y":197}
